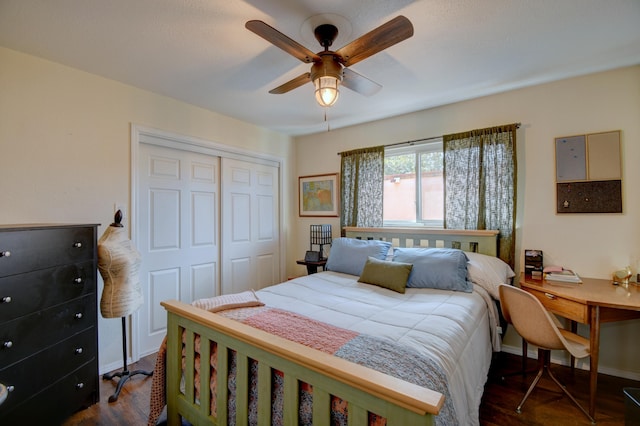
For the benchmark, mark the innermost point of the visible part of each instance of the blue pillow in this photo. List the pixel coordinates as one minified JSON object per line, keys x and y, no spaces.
{"x":440,"y":268}
{"x":348,"y":255}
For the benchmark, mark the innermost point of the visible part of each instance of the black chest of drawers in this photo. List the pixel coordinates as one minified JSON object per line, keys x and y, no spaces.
{"x":48,"y":321}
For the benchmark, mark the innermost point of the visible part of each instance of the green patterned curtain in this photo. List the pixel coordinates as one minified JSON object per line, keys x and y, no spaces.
{"x":480,"y":183}
{"x":361,"y":187}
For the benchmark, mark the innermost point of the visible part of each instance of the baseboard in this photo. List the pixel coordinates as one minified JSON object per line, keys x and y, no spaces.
{"x":583,"y":365}
{"x":107,"y":368}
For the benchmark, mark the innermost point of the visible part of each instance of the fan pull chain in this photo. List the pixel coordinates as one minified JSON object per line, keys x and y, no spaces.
{"x":327,"y":120}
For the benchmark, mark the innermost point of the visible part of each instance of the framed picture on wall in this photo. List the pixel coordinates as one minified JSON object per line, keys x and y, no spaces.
{"x":318,"y":195}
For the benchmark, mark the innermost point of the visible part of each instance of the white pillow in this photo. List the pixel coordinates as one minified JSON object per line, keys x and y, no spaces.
{"x":488,"y":272}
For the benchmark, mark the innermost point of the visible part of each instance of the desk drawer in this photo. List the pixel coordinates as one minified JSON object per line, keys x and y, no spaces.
{"x":564,"y":307}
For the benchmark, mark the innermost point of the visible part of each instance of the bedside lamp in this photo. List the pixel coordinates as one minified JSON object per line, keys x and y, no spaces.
{"x":320,"y":235}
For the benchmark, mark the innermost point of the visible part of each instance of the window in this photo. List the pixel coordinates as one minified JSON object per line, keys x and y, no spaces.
{"x":409,"y":201}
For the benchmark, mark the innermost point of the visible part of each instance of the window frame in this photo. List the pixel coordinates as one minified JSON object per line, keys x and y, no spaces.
{"x":426,"y":147}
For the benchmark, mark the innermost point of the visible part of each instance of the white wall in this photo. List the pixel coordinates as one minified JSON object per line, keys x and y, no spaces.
{"x":65,"y":149}
{"x":593,"y":244}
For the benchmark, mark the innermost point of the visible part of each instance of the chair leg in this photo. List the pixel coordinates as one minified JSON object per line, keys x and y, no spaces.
{"x":544,"y":363}
{"x":535,"y":381}
{"x":566,"y":392}
{"x":574,"y":329}
{"x":523,"y":371}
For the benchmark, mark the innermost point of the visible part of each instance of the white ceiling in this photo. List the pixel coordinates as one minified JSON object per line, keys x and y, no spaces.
{"x":198,"y":51}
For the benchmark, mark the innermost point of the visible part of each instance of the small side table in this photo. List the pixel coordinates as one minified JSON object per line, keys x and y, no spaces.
{"x":312,"y":267}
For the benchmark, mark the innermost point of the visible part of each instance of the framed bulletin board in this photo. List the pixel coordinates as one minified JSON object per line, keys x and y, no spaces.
{"x":604,"y":156}
{"x":596,"y":196}
{"x":589,"y":173}
{"x":571,"y":159}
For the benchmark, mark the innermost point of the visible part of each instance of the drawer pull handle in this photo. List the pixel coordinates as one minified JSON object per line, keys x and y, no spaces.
{"x":6,"y":299}
{"x":550,"y":296}
{"x":11,"y":388}
{"x":5,"y":253}
{"x":8,"y":344}
{"x":78,"y":351}
{"x":77,"y":245}
{"x":78,"y":280}
{"x":78,"y":315}
{"x":80,"y":385}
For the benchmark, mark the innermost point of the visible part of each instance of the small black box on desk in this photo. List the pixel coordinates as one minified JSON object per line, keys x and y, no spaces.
{"x":533,"y":263}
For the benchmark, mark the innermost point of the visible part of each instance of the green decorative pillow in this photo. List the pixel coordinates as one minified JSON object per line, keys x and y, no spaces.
{"x":383,"y":273}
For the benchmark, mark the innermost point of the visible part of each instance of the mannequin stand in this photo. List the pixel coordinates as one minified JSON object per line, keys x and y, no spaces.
{"x":125,"y":374}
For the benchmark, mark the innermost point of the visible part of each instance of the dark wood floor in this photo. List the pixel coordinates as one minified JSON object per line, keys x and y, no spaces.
{"x":545,"y":406}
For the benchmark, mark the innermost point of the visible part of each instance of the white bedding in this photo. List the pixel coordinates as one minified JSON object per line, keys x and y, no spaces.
{"x":453,"y":328}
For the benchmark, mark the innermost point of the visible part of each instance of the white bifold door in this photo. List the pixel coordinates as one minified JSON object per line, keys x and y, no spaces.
{"x":206,"y":226}
{"x":250,"y":229}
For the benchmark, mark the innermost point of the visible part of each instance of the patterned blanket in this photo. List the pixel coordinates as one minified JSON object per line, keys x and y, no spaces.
{"x":373,"y":352}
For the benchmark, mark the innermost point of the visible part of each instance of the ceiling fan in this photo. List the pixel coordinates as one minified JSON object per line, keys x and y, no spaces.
{"x":330,"y":68}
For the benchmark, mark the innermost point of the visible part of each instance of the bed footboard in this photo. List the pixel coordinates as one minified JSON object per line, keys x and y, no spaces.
{"x":365,"y":390}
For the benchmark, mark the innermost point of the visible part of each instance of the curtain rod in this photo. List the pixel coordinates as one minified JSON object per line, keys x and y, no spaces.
{"x":412,"y":142}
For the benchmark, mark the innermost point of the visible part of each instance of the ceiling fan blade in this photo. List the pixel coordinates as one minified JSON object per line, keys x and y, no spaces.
{"x":386,"y":35}
{"x":292,"y":84}
{"x":359,"y":83}
{"x":280,"y":40}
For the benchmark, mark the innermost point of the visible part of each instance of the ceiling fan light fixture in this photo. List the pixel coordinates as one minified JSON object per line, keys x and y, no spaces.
{"x":327,"y":90}
{"x":329,"y":68}
{"x":326,"y":76}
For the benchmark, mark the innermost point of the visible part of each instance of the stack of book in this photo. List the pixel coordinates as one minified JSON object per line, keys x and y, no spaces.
{"x":566,"y":275}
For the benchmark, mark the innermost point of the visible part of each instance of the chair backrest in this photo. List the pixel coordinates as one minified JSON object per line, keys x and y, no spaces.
{"x":530,"y":319}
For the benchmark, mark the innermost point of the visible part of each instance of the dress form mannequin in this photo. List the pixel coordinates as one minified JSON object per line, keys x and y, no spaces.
{"x":119,"y":265}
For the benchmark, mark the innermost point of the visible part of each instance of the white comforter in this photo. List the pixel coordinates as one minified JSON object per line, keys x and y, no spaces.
{"x":453,"y":328}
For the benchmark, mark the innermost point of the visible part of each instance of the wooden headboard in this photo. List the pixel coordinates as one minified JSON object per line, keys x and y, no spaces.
{"x":479,"y":241}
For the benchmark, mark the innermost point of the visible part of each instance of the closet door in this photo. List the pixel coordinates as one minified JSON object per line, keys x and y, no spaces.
{"x":178,"y":228}
{"x":250,"y":226}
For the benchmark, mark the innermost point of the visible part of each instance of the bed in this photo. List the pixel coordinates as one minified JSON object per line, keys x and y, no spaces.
{"x":327,"y":348}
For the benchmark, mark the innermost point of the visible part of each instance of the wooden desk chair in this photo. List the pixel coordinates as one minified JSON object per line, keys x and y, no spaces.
{"x":532,"y":321}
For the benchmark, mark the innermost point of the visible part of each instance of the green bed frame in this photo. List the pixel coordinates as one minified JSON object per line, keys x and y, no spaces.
{"x":480,"y":241}
{"x":364,"y":389}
